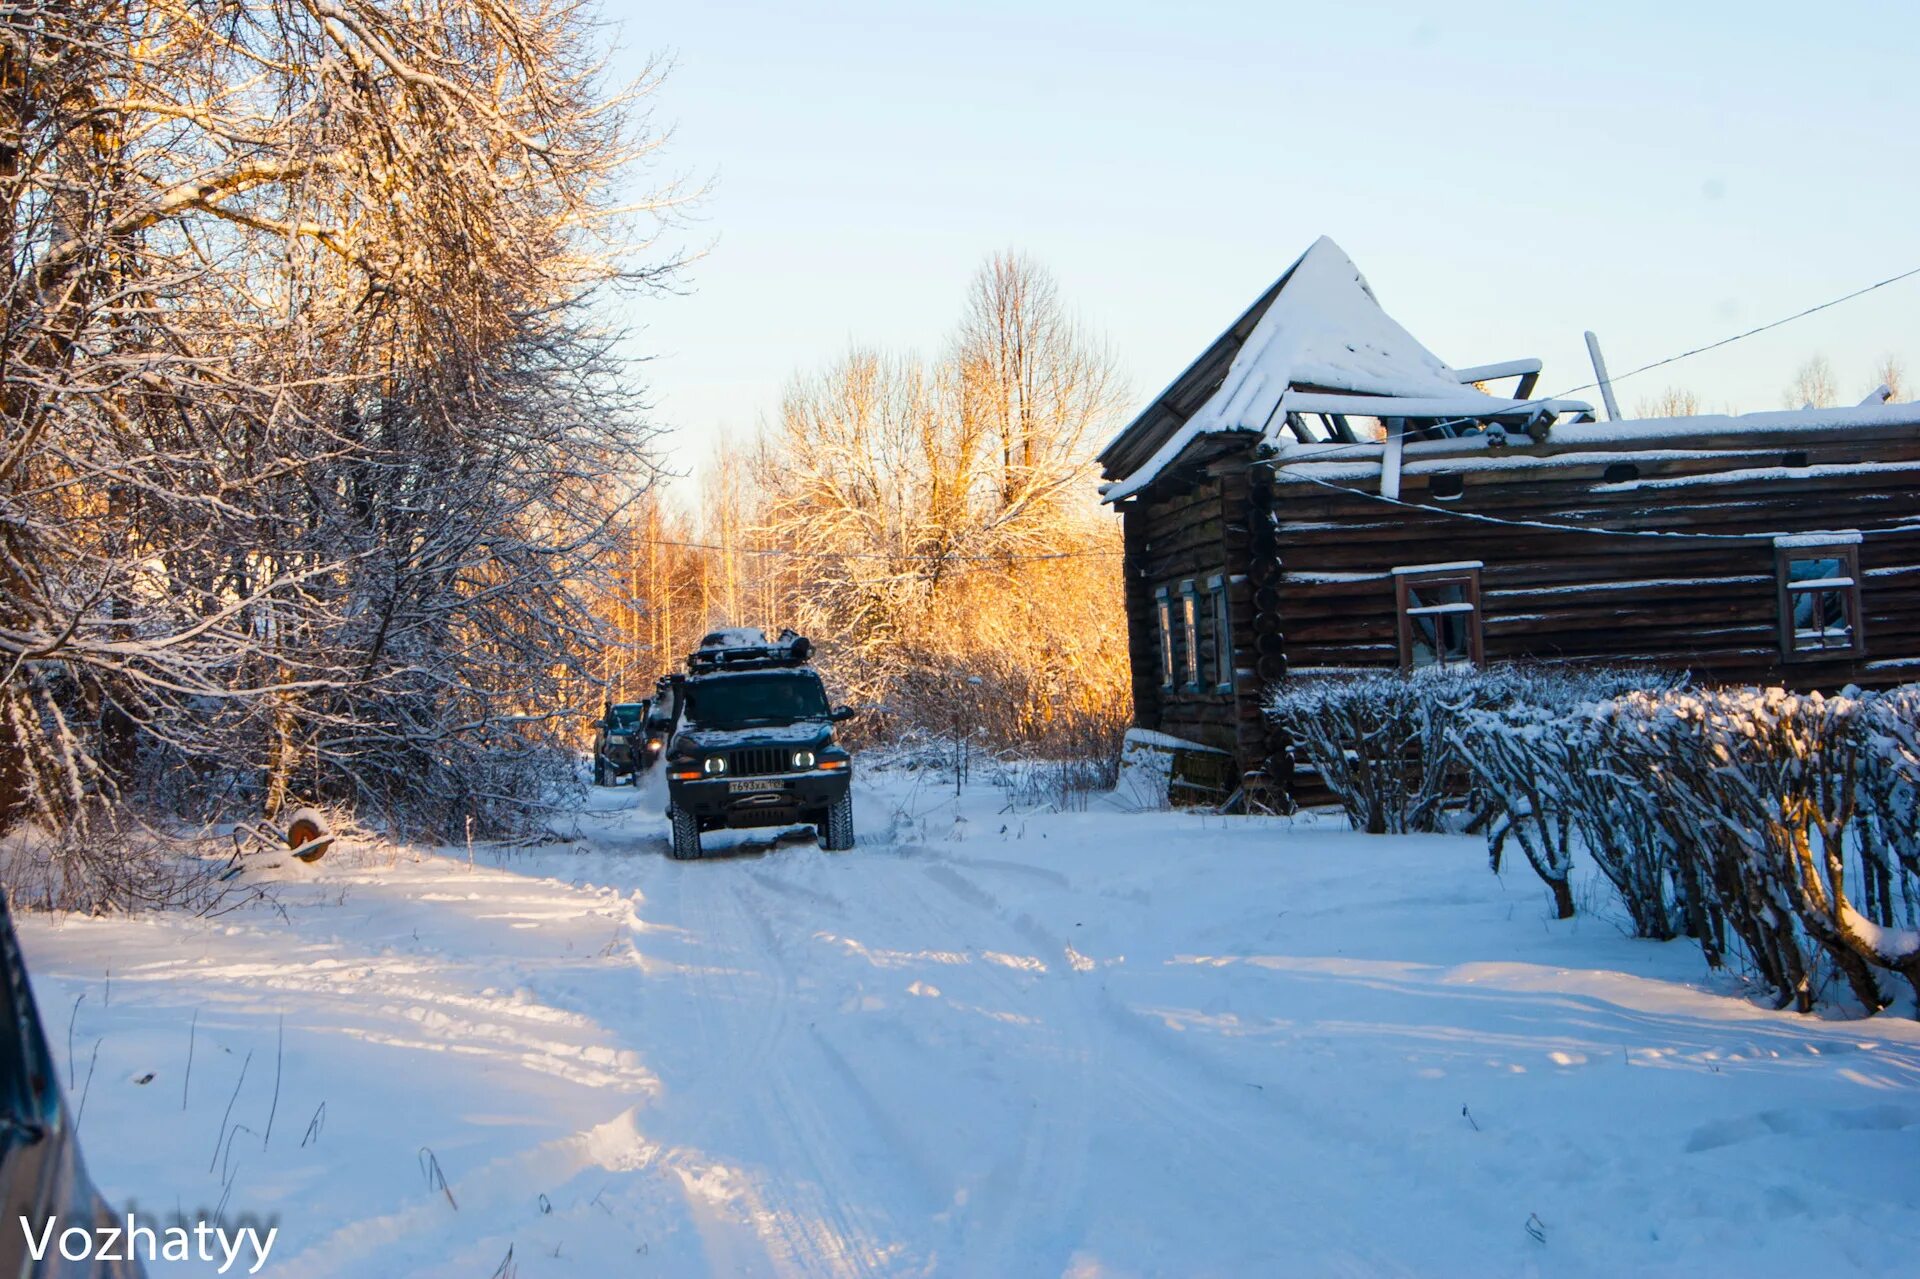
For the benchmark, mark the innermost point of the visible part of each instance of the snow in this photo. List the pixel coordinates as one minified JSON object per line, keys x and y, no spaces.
{"x":986,"y":1041}
{"x":1328,"y":576}
{"x":1467,"y":403}
{"x":1631,"y":584}
{"x":1741,"y":475}
{"x":1468,"y":454}
{"x":1894,"y":943}
{"x":1165,"y":741}
{"x":796,"y":731}
{"x":1656,"y":439}
{"x":1650,"y":430}
{"x":1491,"y":372}
{"x":1449,"y":567}
{"x":1843,"y":537}
{"x":735,"y":637}
{"x":1325,"y":331}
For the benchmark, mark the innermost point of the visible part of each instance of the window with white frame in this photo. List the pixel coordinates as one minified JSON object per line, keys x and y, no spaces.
{"x":1439,"y":612}
{"x":1819,"y":586}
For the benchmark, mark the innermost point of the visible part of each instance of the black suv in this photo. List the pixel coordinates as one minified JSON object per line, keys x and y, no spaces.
{"x":753,"y":744}
{"x":622,"y":743}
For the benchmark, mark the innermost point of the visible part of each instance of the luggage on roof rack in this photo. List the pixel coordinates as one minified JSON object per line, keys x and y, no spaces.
{"x":729,"y":654}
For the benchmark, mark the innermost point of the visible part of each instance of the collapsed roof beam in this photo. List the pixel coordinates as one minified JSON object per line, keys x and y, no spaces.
{"x":1528,"y":371}
{"x":1600,"y":372}
{"x":1390,"y":457}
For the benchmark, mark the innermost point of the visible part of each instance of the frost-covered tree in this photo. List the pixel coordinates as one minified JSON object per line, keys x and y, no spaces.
{"x":307,"y":433}
{"x":930,"y":523}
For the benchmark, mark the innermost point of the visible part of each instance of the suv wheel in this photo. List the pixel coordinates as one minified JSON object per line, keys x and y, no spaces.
{"x":837,"y":835}
{"x":686,"y":835}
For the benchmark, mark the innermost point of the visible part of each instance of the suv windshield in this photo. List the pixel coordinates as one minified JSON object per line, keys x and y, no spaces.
{"x":732,"y":701}
{"x":628,"y":715}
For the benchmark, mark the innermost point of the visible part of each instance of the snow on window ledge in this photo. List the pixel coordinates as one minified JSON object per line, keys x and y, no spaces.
{"x":1840,"y":537}
{"x":1458,"y":566}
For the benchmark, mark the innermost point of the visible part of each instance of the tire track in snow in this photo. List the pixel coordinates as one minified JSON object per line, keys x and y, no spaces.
{"x":1174,"y":1103}
{"x":1032,"y":1193}
{"x":1045,"y":1199}
{"x":745,"y":1021}
{"x":819,"y":1140}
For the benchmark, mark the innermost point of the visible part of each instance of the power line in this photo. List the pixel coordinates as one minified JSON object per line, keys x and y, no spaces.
{"x":1553,"y":526}
{"x":1714,"y":346}
{"x":1661,"y":363}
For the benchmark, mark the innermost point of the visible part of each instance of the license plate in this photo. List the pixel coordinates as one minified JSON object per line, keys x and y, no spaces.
{"x":747,"y":788}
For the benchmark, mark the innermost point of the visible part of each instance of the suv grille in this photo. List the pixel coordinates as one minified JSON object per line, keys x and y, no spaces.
{"x":761,"y":761}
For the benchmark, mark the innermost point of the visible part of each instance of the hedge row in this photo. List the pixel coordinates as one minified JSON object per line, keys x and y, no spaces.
{"x":1779,"y":830}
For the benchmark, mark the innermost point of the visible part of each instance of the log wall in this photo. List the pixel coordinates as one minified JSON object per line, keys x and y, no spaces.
{"x":1210,"y":522}
{"x":1313,"y":588}
{"x":1707,"y":606}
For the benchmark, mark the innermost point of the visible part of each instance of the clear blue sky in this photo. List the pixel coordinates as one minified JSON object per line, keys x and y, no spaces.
{"x":1507,"y":175}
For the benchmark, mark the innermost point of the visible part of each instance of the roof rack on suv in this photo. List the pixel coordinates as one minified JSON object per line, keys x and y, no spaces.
{"x":728,"y":654}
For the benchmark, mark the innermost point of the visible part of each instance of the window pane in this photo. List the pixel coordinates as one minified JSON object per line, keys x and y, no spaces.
{"x":1222,"y":639}
{"x":1433,"y":594}
{"x":1166,"y":645}
{"x":1820,"y":619}
{"x":1441,"y":638}
{"x":1812,"y":570}
{"x":1187,"y":629}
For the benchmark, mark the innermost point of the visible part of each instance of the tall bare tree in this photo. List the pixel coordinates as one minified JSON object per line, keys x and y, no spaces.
{"x":938,"y":522}
{"x":1032,"y":383}
{"x":1813,"y":385}
{"x":1675,"y":401}
{"x":1891,"y":373}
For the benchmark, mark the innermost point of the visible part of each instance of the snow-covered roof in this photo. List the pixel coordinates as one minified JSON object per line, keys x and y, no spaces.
{"x":1319,"y":329}
{"x":1754,"y":439}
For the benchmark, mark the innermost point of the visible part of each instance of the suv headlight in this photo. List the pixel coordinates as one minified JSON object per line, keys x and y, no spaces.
{"x":715,"y":764}
{"x":803,"y":759}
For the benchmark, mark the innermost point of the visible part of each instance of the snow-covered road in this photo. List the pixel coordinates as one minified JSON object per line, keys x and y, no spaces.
{"x":982,"y":1043}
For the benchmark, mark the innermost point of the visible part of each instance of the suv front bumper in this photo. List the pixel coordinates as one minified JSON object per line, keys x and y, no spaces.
{"x":786,"y":799}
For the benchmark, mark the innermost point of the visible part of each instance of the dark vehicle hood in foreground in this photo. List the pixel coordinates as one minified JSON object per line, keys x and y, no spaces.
{"x":806,"y":734}
{"x":41,"y":1173}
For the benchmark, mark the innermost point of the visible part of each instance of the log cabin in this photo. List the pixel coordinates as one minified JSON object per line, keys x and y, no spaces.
{"x":1319,"y":493}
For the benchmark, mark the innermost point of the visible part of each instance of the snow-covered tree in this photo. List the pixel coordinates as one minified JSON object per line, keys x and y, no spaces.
{"x":307,"y":434}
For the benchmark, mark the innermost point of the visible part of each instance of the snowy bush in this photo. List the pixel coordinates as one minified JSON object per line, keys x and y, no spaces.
{"x":113,"y":862}
{"x":1779,"y":830}
{"x":1770,"y":799}
{"x":1389,"y":745}
{"x":1057,"y":785}
{"x":1534,"y":753}
{"x":1521,"y":756}
{"x":1889,"y":825}
{"x":1617,"y":817}
{"x":1379,"y":742}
